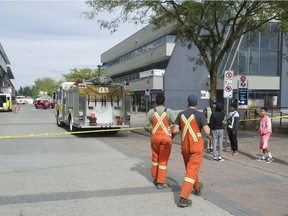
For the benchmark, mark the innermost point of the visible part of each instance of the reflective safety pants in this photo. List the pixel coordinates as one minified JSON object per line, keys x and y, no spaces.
{"x":192,"y":156}
{"x":161,"y":148}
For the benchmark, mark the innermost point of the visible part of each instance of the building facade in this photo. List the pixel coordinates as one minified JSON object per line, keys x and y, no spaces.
{"x":5,"y":72}
{"x":139,"y":58}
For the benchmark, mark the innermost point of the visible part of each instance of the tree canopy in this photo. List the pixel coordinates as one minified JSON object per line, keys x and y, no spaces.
{"x":26,"y":91}
{"x":82,"y":73}
{"x":211,"y":26}
{"x":45,"y":84}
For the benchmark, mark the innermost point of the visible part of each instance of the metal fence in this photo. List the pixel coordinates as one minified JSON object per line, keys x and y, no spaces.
{"x":250,"y":118}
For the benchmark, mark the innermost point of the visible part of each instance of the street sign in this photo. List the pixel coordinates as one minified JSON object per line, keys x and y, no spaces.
{"x":243,"y":83}
{"x":243,"y":92}
{"x":228,"y":84}
{"x":147,"y":92}
{"x":243,"y":98}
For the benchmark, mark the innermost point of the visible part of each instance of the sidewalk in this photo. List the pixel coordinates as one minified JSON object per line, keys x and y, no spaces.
{"x":248,"y":142}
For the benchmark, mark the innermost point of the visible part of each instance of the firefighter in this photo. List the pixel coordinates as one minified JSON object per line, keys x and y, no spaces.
{"x":158,"y":122}
{"x":190,"y":122}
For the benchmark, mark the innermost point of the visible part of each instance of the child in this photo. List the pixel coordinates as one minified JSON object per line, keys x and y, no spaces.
{"x":265,"y":132}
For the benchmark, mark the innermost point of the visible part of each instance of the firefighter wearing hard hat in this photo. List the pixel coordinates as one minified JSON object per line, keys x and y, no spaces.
{"x":190,"y":122}
{"x":158,"y":122}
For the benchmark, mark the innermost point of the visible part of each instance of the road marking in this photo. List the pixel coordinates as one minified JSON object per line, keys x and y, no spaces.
{"x":67,"y":133}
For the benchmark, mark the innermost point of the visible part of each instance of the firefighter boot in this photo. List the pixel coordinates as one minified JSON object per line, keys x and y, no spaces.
{"x":184,"y":202}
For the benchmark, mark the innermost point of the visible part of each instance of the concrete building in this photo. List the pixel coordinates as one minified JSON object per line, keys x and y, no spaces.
{"x":5,"y":72}
{"x":153,"y":59}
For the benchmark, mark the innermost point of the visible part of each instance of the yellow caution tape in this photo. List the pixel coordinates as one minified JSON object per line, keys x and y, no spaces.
{"x":98,"y":130}
{"x":67,"y":133}
{"x":258,"y":119}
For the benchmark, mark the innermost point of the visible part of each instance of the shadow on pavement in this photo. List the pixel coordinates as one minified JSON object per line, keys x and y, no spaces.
{"x":253,"y":158}
{"x":173,"y":184}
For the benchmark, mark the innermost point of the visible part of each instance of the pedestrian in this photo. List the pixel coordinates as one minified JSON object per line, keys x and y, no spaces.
{"x":208,"y":112}
{"x":190,"y":122}
{"x":217,"y":131}
{"x":232,"y":127}
{"x":265,"y":131}
{"x":158,"y":122}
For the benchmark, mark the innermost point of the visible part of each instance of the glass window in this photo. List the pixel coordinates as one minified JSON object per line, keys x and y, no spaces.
{"x":254,"y":62}
{"x":264,"y":62}
{"x":235,"y":65}
{"x":274,"y":39}
{"x":254,"y":39}
{"x":243,"y":63}
{"x":244,"y":44}
{"x":154,"y":44}
{"x":273,"y":66}
{"x":264,"y":41}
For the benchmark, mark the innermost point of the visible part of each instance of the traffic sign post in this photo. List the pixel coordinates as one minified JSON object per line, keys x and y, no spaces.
{"x":243,"y":93}
{"x":147,"y":94}
{"x":228,"y":93}
{"x":228,"y":84}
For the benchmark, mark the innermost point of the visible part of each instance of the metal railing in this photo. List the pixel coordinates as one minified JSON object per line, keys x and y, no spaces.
{"x":250,"y":118}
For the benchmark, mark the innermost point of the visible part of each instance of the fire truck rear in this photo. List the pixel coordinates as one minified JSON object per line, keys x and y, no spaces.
{"x":97,"y":104}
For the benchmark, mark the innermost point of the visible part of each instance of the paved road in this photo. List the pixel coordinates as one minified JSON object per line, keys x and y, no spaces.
{"x":84,"y":174}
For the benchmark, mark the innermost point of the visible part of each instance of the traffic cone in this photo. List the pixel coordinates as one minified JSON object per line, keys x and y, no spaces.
{"x":15,"y":108}
{"x":92,"y":114}
{"x":92,"y":119}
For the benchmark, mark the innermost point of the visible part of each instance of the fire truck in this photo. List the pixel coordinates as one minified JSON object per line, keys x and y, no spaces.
{"x":6,"y":99}
{"x":93,"y":104}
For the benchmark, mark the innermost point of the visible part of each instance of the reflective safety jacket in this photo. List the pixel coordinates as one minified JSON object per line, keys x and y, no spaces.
{"x":160,"y":124}
{"x":191,"y":133}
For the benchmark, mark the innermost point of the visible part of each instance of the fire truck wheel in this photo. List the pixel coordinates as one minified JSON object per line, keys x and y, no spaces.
{"x":71,"y":127}
{"x":59,"y":123}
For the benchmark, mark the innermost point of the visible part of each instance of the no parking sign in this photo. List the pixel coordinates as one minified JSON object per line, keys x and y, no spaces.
{"x":228,"y":84}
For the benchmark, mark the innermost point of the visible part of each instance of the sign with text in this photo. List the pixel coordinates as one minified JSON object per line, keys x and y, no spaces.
{"x":243,"y":93}
{"x":228,"y":84}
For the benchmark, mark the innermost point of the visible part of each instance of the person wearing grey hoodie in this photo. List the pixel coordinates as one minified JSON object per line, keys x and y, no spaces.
{"x":217,"y":131}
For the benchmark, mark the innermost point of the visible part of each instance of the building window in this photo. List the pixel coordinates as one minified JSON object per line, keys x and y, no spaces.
{"x":258,"y":54}
{"x":146,"y":48}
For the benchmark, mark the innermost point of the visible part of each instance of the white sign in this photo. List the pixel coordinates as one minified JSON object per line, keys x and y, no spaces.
{"x":103,"y":90}
{"x":153,"y":72}
{"x":205,"y":94}
{"x":7,"y":90}
{"x":243,"y":83}
{"x":147,"y":92}
{"x":228,"y":84}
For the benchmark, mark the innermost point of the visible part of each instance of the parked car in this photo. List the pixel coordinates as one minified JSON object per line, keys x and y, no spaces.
{"x":44,"y":104}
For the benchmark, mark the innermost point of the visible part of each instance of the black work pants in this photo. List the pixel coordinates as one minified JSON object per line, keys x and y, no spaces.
{"x":233,"y":140}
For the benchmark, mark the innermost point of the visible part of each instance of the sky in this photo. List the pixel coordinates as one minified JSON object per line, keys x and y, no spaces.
{"x":48,"y":38}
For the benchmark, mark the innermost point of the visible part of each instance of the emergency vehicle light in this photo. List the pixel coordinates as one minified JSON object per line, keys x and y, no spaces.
{"x":81,"y":91}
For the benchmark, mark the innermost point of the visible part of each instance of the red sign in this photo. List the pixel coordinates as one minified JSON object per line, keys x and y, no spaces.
{"x":228,"y":88}
{"x":243,"y":78}
{"x":229,"y":75}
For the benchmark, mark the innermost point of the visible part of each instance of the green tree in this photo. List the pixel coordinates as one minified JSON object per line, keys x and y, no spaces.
{"x":82,"y":73}
{"x":45,"y":84}
{"x":211,"y":26}
{"x":25,"y":91}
